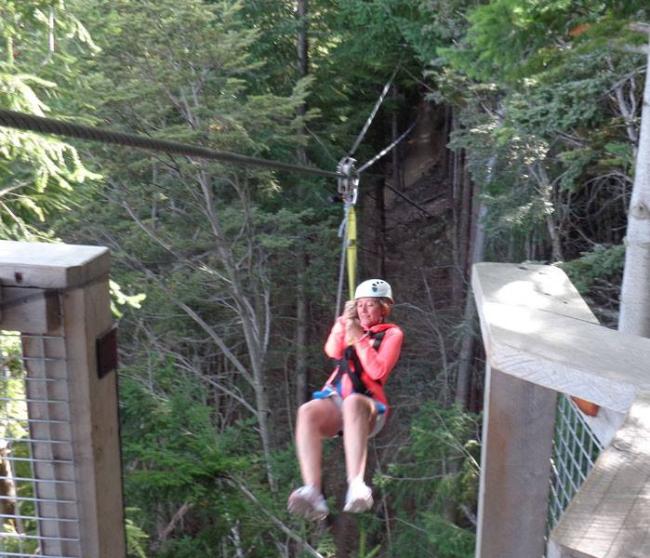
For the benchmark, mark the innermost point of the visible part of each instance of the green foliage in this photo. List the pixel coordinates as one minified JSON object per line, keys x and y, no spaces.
{"x":135,"y":537}
{"x":447,"y":539}
{"x":602,"y":263}
{"x":174,"y":457}
{"x":435,"y":476}
{"x":533,"y":87}
{"x":363,"y":552}
{"x":37,"y":173}
{"x":119,"y":298}
{"x":543,"y":92}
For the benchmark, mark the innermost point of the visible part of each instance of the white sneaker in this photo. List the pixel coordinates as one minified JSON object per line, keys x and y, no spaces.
{"x":358,"y":498}
{"x":309,"y":503}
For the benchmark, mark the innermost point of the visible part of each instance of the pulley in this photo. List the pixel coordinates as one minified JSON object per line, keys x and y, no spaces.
{"x":348,"y":181}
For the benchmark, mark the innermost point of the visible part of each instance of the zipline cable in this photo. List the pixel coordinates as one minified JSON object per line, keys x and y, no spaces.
{"x":371,"y":117}
{"x":44,"y":125}
{"x":386,"y":150}
{"x":348,"y":187}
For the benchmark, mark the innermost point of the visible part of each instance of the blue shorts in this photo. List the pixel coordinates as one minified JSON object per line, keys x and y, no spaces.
{"x":329,"y":392}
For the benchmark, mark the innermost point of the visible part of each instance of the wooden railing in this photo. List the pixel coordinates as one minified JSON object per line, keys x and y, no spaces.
{"x":61,"y":460}
{"x":541,"y":339}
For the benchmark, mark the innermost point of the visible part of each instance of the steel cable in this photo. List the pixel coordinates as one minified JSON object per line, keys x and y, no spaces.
{"x":23,"y":121}
{"x":371,"y":117}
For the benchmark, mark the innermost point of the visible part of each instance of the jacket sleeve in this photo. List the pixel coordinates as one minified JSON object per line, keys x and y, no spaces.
{"x":378,"y":364}
{"x":335,"y":344}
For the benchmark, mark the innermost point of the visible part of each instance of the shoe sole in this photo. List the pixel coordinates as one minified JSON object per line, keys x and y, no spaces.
{"x":359,"y":505}
{"x":304,"y":508}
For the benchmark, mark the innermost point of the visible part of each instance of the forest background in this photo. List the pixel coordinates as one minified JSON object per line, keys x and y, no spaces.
{"x":224,"y":278}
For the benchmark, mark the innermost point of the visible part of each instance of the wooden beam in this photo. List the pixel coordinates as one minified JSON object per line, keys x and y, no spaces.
{"x":539,"y":329}
{"x":29,"y":310}
{"x":541,"y":287}
{"x":51,"y":266}
{"x":610,"y":515}
{"x":95,"y":424}
{"x":515,"y":467}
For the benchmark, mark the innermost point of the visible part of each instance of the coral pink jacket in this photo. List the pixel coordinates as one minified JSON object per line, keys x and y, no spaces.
{"x":377,"y":364}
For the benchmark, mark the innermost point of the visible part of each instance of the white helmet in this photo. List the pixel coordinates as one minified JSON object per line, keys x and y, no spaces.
{"x":374,"y":288}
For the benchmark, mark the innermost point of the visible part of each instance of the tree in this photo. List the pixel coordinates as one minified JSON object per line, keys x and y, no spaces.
{"x":635,"y":296}
{"x":37,"y":173}
{"x":201,"y":96}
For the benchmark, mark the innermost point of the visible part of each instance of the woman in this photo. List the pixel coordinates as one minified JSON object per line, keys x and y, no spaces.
{"x":365,"y":349}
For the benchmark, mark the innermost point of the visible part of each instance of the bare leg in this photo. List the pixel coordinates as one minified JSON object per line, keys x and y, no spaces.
{"x":359,"y":415}
{"x":317,"y":419}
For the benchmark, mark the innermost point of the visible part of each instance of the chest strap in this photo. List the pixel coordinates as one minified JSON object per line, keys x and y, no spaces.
{"x":350,"y":355}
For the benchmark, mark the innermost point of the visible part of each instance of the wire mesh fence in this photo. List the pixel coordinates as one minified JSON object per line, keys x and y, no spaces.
{"x":38,"y":501}
{"x":575,"y":450}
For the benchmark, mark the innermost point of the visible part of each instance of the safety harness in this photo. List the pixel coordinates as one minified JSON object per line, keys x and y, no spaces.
{"x":350,"y":354}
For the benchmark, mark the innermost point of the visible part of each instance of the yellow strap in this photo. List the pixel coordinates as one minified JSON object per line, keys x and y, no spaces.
{"x":352,"y":251}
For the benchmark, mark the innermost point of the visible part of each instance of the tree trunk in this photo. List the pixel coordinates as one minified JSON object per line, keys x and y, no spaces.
{"x":546,"y":191}
{"x":303,"y":62}
{"x":460,"y":186}
{"x":255,"y":321}
{"x":301,"y":337}
{"x":301,"y":298}
{"x":634,"y":315}
{"x":465,"y":360}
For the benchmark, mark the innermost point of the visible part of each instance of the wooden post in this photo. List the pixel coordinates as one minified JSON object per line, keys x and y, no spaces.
{"x":515,"y":467}
{"x":62,"y":307}
{"x":95,"y":426}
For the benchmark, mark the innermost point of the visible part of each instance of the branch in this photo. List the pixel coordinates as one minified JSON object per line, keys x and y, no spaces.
{"x":209,"y":330}
{"x":635,"y":49}
{"x":203,"y":267}
{"x":180,"y":513}
{"x":184,"y":363}
{"x":277,"y":522}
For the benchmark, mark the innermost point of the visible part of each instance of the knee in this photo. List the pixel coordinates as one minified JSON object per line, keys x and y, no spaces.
{"x":356,"y":405}
{"x":307,"y":412}
{"x":311,"y":414}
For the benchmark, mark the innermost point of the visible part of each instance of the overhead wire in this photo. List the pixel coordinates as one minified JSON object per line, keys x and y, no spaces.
{"x":348,"y":226}
{"x":45,"y":125}
{"x":373,"y":113}
{"x":386,"y":150}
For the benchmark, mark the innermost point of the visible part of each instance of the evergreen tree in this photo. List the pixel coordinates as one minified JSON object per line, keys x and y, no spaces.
{"x":37,"y":173}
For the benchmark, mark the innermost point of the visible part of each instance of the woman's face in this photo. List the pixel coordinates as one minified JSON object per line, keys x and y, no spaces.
{"x":370,"y":310}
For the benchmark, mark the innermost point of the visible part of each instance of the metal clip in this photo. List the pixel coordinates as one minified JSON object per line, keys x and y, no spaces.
{"x":348,"y":184}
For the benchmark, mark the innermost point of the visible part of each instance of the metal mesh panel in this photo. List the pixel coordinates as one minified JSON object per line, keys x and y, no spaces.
{"x":38,"y":501}
{"x":575,"y":449}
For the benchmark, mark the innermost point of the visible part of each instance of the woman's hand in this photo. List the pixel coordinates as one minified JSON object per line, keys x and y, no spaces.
{"x":350,"y":310}
{"x":353,"y":331}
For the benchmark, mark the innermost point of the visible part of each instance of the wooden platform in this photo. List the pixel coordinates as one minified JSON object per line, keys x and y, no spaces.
{"x":610,"y":515}
{"x":541,"y":338}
